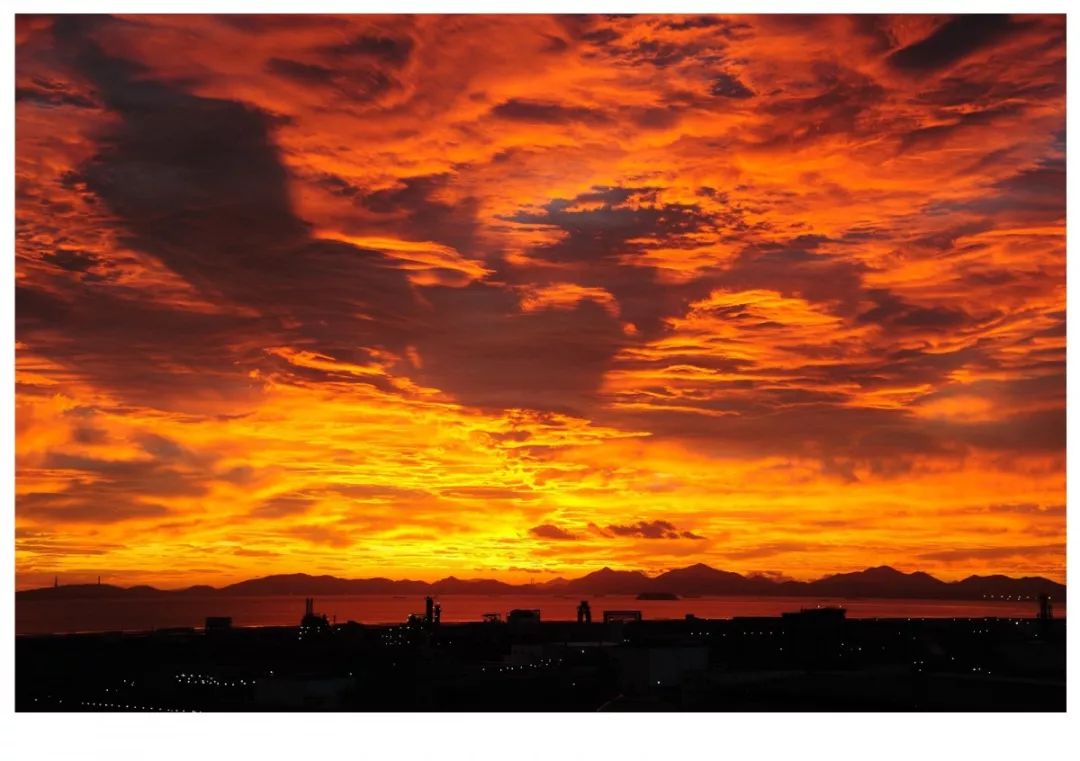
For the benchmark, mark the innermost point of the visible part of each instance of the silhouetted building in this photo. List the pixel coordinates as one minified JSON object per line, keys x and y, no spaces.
{"x":429,"y":610}
{"x":312,"y":622}
{"x":437,"y":614}
{"x":523,"y":621}
{"x":826,"y":616}
{"x":615,"y":622}
{"x":521,"y":614}
{"x":492,"y":618}
{"x":218,"y":624}
{"x":621,"y":616}
{"x":584,"y":612}
{"x":1046,"y":608}
{"x":815,"y":659}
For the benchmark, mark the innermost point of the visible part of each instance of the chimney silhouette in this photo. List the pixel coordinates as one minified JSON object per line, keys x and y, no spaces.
{"x":1046,"y":608}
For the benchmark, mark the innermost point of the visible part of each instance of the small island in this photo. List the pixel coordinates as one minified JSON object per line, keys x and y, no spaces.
{"x":658,"y":596}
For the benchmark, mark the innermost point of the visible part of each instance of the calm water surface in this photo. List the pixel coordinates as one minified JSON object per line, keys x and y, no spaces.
{"x":40,"y":617}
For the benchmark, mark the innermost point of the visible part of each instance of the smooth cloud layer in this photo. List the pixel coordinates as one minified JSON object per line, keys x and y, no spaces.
{"x":427,"y":295}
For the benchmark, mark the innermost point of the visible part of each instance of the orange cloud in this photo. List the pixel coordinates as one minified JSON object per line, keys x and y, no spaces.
{"x":421,"y":295}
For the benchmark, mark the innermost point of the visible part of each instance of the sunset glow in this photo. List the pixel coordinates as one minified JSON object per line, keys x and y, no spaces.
{"x":519,"y":297}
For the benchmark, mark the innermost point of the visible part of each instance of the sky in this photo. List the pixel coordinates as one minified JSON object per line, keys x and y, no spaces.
{"x":519,"y":297}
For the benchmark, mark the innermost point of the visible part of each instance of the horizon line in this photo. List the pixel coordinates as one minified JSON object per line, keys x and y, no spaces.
{"x":552,"y":576}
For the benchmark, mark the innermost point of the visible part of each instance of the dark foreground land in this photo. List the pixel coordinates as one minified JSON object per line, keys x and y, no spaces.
{"x":817,"y":660}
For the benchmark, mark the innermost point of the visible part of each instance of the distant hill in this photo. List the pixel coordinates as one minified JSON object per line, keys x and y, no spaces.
{"x":455,"y":586}
{"x":609,"y":582}
{"x":303,"y":584}
{"x":85,"y":592}
{"x":978,"y":587}
{"x":881,"y":581}
{"x":697,"y":579}
{"x":700,"y":579}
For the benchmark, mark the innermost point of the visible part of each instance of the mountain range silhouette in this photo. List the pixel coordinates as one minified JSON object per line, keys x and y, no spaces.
{"x":698,"y":579}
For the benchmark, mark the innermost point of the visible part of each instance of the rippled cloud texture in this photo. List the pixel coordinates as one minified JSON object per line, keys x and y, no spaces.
{"x":522,"y":296}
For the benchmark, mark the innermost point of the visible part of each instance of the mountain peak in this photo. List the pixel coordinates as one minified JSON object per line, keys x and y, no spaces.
{"x":606,"y":572}
{"x":699,"y":567}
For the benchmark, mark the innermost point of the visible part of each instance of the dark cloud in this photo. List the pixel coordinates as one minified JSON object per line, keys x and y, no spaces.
{"x":52,"y":94}
{"x":88,"y":434}
{"x":797,"y":270}
{"x":71,"y":260}
{"x":476,"y":350}
{"x":875,"y":29}
{"x":844,"y":104}
{"x":305,"y":73}
{"x":680,"y":23}
{"x":1034,"y":432}
{"x":655,"y":118}
{"x":1038,"y":188}
{"x":197,"y":183}
{"x":615,"y":222}
{"x":325,"y":535}
{"x":728,"y":86}
{"x":601,"y":37}
{"x":357,"y":85}
{"x":117,"y":342}
{"x":656,"y":529}
{"x":953,"y":41}
{"x":83,"y":504}
{"x":547,"y":112}
{"x":136,"y":476}
{"x":893,"y":311}
{"x":391,"y":50}
{"x":283,"y":506}
{"x":935,"y":135}
{"x":659,"y":53}
{"x":1032,"y":196}
{"x":966,"y":92}
{"x":551,"y":531}
{"x":555,"y":44}
{"x":416,"y":205}
{"x":262,"y":23}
